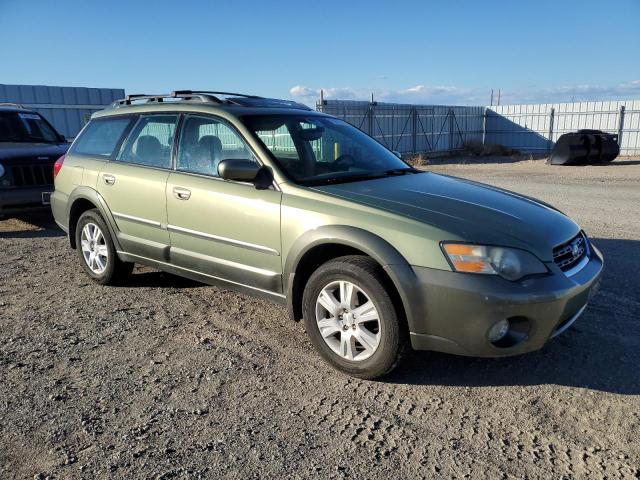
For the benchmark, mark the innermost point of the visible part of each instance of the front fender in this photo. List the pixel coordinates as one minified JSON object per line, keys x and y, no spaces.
{"x":394,"y":264}
{"x":374,"y":246}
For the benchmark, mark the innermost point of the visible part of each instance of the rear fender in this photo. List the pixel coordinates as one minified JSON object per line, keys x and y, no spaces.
{"x":88,"y":193}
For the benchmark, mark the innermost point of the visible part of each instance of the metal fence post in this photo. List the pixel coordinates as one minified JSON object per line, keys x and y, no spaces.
{"x":414,"y":129}
{"x":371,"y":119}
{"x":451,"y":146}
{"x":552,"y":115}
{"x":620,"y":126}
{"x":484,"y":126}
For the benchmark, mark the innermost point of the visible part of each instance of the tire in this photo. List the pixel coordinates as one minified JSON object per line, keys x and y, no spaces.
{"x":339,"y":341}
{"x":106,"y":268}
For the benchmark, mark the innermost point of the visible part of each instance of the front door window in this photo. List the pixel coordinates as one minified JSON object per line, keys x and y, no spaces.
{"x":205,"y":142}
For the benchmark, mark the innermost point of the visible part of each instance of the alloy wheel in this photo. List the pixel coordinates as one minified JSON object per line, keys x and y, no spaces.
{"x":348,"y":320}
{"x":94,"y":248}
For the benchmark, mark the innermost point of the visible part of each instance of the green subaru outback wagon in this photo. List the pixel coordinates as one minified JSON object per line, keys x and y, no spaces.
{"x":271,"y":198}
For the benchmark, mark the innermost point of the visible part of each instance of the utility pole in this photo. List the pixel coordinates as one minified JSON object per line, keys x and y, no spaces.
{"x":498,"y":97}
{"x":491,"y":104}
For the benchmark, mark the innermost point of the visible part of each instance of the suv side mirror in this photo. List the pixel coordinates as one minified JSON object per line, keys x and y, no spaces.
{"x":246,"y":171}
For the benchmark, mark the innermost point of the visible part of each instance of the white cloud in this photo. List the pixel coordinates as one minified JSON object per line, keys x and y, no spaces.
{"x":415,"y":94}
{"x":301,"y":91}
{"x":439,"y":94}
{"x":452,"y":95}
{"x":311,"y":95}
{"x":577,"y":93}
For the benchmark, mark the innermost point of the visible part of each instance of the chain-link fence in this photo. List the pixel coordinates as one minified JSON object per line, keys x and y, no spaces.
{"x":411,"y":128}
{"x":527,"y":128}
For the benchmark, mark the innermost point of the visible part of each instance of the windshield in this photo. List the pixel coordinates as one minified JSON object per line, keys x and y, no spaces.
{"x":26,"y":127}
{"x":319,"y":150}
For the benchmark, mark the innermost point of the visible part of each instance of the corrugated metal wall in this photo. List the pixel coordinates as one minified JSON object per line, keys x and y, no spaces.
{"x":411,"y":128}
{"x":67,"y":108}
{"x":536,"y":127}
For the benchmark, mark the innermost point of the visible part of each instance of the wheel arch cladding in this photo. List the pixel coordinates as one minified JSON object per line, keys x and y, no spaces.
{"x":320,"y":245}
{"x":81,"y":200}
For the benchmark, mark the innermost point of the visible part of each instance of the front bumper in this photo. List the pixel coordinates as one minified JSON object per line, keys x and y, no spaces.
{"x":457,"y":310}
{"x":24,"y":199}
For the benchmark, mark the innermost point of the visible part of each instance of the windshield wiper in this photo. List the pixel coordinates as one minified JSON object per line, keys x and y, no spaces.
{"x":363,"y":176}
{"x":347,"y":178}
{"x":402,"y":171}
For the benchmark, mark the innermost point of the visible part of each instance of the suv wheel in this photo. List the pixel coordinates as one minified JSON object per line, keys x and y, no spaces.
{"x":96,"y":249}
{"x":351,"y":319}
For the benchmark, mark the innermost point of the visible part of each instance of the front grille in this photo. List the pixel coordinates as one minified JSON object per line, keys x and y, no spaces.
{"x":32,"y":175}
{"x":570,"y":254}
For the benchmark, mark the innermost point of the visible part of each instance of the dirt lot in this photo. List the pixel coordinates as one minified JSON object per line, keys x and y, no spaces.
{"x":167,"y":378}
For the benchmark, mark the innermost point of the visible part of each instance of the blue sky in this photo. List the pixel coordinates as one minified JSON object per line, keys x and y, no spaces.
{"x":408,"y":51}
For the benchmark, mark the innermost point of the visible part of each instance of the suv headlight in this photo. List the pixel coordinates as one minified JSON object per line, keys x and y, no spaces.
{"x":1,"y":170}
{"x":510,"y":263}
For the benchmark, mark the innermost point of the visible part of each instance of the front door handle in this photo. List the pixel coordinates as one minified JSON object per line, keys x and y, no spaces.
{"x":109,"y":179}
{"x":181,"y":193}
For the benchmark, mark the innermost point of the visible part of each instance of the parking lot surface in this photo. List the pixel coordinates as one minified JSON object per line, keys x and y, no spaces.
{"x":168,"y":378}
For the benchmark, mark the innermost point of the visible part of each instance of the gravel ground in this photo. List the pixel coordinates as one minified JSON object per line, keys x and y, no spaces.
{"x":167,"y":378}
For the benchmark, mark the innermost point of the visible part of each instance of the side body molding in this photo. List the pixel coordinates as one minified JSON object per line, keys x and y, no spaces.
{"x":394,"y":264}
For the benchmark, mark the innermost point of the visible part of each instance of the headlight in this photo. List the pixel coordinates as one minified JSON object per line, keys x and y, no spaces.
{"x":509,"y":263}
{"x":1,"y":170}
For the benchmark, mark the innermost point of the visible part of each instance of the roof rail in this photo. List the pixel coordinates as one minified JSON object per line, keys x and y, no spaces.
{"x":210,"y":92}
{"x":185,"y":94}
{"x":12,"y":104}
{"x":209,"y":96}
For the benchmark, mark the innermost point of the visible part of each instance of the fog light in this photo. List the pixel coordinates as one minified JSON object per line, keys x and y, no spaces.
{"x":498,"y":331}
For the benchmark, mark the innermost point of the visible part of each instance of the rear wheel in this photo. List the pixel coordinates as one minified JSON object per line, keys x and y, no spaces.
{"x":351,"y":318}
{"x":97,"y":251}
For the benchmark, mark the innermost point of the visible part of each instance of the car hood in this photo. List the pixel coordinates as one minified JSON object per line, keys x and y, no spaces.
{"x":10,"y":150}
{"x":467,"y":210}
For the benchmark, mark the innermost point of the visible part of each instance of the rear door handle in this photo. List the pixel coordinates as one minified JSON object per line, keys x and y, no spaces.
{"x":109,"y":179}
{"x":181,"y":193}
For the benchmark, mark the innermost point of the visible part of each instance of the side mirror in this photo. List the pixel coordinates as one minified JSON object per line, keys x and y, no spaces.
{"x":246,"y":171}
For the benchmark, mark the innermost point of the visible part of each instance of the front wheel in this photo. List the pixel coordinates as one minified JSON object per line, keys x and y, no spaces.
{"x":351,"y":318}
{"x":97,"y":252}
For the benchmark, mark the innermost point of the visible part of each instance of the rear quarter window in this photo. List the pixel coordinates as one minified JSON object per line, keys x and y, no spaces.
{"x":101,"y":137}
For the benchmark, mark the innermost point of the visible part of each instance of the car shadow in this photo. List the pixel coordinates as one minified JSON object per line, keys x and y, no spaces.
{"x":601,"y":351}
{"x":144,"y":276}
{"x":30,"y":225}
{"x":619,"y":162}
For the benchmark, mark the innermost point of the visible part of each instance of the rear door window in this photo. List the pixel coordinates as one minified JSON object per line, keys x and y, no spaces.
{"x":101,"y":136}
{"x":150,"y":141}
